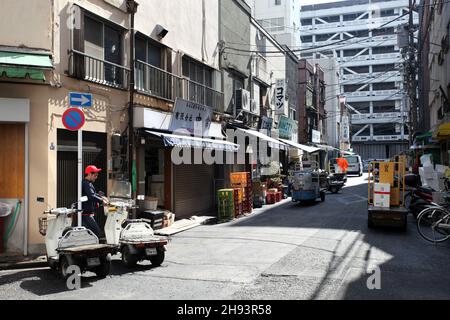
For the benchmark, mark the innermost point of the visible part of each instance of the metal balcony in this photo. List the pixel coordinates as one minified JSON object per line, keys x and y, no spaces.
{"x":385,"y":138}
{"x":85,"y":67}
{"x":159,"y":83}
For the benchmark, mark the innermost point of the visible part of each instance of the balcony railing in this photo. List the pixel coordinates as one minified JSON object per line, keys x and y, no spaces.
{"x":85,"y":67}
{"x":162,"y":84}
{"x":380,"y":138}
{"x":199,"y":93}
{"x":157,"y":82}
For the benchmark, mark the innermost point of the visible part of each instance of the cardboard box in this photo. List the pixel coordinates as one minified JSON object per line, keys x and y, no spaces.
{"x":382,"y":195}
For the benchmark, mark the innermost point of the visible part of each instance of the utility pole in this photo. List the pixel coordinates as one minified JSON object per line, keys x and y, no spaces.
{"x":411,"y":74}
{"x":132,"y":7}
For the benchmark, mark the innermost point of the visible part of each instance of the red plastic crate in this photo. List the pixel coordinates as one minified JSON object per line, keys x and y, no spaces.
{"x":271,"y":198}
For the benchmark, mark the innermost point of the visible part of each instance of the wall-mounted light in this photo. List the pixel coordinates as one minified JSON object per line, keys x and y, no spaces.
{"x":161,"y":32}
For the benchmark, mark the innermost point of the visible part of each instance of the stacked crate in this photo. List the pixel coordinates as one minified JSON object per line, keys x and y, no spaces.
{"x":238,"y":202}
{"x":227,"y":209}
{"x":259,"y":194}
{"x":243,"y":181}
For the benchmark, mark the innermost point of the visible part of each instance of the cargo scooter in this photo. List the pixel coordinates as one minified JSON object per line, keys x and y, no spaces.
{"x":67,"y":245}
{"x":133,"y":238}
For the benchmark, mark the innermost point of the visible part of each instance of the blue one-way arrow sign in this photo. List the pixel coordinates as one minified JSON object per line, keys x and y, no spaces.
{"x":80,"y":99}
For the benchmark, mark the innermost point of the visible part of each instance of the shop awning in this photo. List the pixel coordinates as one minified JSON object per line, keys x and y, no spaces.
{"x":442,"y":131}
{"x":326,"y":147}
{"x":173,"y":140}
{"x":307,"y":149}
{"x":273,"y":143}
{"x":22,"y":65}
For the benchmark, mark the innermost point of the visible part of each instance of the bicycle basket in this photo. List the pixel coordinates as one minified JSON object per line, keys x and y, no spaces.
{"x":43,"y":224}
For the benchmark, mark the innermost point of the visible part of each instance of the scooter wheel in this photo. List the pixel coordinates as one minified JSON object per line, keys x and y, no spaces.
{"x":103,"y":270}
{"x":159,"y":258}
{"x":64,"y":266}
{"x":128,"y":259}
{"x":334,"y":190}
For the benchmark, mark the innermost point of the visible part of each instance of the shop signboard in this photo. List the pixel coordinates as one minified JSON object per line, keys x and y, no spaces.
{"x":280,"y":96}
{"x":266,"y":124}
{"x":192,"y":117}
{"x":287,"y":127}
{"x":315,"y":136}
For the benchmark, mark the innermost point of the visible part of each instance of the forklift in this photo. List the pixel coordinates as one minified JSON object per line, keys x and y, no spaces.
{"x":386,"y":195}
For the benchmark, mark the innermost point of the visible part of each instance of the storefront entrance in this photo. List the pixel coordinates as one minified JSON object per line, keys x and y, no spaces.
{"x":94,"y":153}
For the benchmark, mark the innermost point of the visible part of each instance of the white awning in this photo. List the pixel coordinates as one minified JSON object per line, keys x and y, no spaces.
{"x":301,"y":146}
{"x":273,"y":143}
{"x":172,"y":140}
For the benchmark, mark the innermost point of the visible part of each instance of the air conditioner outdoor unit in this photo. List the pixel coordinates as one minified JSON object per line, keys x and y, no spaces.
{"x":243,"y":100}
{"x":254,"y":107}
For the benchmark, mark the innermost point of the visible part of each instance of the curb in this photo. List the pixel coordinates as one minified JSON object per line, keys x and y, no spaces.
{"x":37,"y":263}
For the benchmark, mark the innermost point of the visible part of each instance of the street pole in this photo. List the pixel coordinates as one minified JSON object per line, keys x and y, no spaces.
{"x":412,"y":82}
{"x":80,"y":173}
{"x":132,"y":9}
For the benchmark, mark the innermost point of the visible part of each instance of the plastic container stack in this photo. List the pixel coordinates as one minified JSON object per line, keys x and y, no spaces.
{"x":227,"y":208}
{"x":243,"y":180}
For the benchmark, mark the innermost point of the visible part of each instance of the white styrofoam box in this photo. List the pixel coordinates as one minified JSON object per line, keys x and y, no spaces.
{"x":151,"y":203}
{"x":441,"y":169}
{"x":381,"y":195}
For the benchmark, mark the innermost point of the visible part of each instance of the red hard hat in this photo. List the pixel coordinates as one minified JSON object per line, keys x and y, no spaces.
{"x":92,"y":169}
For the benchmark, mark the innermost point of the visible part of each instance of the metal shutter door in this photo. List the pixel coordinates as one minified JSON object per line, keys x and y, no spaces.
{"x":193,"y":190}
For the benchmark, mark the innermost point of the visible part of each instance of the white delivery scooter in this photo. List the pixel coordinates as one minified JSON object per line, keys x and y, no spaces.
{"x":67,"y":245}
{"x":135,"y":239}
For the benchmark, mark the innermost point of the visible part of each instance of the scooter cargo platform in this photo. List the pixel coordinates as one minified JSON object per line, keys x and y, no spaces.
{"x":148,"y":243}
{"x":93,"y":249}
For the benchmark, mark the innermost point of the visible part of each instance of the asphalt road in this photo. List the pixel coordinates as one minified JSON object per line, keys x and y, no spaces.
{"x":283,"y":251}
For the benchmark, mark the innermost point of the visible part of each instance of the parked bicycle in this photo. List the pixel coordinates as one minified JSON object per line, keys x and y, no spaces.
{"x":433,"y":223}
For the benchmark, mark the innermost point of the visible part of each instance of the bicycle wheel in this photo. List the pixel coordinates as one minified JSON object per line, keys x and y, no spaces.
{"x":431,"y":224}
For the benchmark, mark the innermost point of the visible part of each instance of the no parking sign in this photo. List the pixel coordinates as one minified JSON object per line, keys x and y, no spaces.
{"x":73,"y":119}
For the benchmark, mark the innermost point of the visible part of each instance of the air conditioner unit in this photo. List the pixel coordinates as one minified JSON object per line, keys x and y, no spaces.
{"x":243,"y":100}
{"x":254,"y":107}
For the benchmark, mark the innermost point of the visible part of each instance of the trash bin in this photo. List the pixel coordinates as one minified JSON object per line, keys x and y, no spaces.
{"x":5,"y":211}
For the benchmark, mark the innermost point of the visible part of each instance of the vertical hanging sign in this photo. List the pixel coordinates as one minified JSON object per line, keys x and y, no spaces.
{"x":280,"y":96}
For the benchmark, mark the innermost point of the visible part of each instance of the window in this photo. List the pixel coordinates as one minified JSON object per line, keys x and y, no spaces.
{"x":306,"y":22}
{"x":353,"y":16}
{"x":306,"y":39}
{"x":381,"y":50}
{"x":360,"y":33}
{"x":149,"y":51}
{"x":278,"y":2}
{"x":384,"y":86}
{"x":197,"y":72}
{"x":324,"y":37}
{"x":102,"y":46}
{"x":387,"y":13}
{"x":383,"y":32}
{"x":383,"y":67}
{"x":331,"y":19}
{"x":353,"y":52}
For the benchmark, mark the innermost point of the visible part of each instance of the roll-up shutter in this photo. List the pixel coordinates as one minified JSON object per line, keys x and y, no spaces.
{"x":193,"y":190}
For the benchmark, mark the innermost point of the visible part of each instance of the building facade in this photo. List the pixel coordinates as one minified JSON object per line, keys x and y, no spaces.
{"x":280,"y":18}
{"x":362,"y":36}
{"x":434,"y":79}
{"x":150,"y":74}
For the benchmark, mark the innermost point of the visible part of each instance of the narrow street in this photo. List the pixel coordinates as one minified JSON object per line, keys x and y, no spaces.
{"x":283,"y":251}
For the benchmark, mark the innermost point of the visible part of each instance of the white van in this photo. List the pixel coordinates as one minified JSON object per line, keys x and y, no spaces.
{"x":355,"y":165}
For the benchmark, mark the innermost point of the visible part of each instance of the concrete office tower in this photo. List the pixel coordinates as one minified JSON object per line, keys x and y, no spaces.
{"x":281,"y":18}
{"x":362,"y":36}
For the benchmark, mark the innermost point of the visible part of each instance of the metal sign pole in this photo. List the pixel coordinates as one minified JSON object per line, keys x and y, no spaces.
{"x":80,"y":173}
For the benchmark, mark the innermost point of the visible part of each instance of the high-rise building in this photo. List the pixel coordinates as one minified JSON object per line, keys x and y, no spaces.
{"x":362,"y":36}
{"x":281,"y":18}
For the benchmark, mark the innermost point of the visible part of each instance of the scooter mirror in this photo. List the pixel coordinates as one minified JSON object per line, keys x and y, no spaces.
{"x":84,"y":199}
{"x":141,"y":197}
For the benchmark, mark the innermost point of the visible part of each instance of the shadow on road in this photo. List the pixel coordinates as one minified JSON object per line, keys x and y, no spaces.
{"x":409,"y":265}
